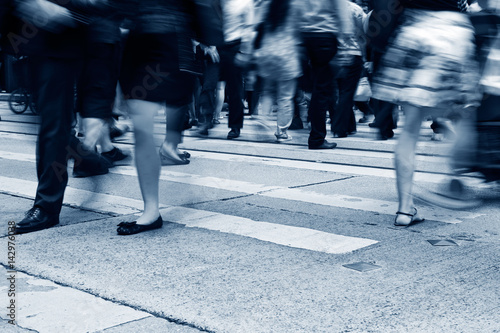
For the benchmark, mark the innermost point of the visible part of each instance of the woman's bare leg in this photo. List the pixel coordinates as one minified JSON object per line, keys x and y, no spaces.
{"x":147,"y":160}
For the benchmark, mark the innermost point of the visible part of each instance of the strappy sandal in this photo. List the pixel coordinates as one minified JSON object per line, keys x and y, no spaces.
{"x":414,"y":218}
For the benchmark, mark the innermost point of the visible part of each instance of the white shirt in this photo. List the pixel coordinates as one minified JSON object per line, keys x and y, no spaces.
{"x":238,"y":20}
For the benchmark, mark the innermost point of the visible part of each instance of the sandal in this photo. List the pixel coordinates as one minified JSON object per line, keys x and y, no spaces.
{"x":414,"y":218}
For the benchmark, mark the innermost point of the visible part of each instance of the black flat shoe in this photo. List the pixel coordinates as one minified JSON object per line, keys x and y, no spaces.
{"x":131,"y":228}
{"x":167,"y":160}
{"x":36,"y":219}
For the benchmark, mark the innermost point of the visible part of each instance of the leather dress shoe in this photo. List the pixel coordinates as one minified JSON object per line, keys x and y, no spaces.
{"x":36,"y":219}
{"x":233,"y":133}
{"x":324,"y":145}
{"x":131,"y":228}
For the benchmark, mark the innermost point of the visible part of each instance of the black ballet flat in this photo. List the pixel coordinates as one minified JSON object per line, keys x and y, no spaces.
{"x":131,"y":228}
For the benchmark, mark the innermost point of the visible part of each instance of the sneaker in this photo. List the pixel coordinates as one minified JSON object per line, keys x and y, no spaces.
{"x":283,"y":137}
{"x":114,"y":155}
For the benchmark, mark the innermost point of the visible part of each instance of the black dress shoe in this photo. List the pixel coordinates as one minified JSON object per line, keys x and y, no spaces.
{"x":36,"y":219}
{"x":233,"y":133}
{"x":131,"y":228}
{"x":324,"y":145}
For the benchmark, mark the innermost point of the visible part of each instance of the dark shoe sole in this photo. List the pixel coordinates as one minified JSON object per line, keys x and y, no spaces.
{"x":132,"y":228}
{"x":21,"y":230}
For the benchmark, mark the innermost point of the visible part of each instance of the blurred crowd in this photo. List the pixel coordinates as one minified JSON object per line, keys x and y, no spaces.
{"x":290,"y":64}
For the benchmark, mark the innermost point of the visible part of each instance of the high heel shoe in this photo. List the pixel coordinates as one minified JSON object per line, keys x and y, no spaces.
{"x":131,"y":228}
{"x":405,"y":222}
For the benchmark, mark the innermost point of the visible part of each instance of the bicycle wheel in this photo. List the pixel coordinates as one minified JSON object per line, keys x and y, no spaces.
{"x":18,"y":101}
{"x":32,"y":103}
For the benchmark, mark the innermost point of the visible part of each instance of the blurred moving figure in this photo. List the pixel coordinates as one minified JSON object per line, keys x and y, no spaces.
{"x":428,"y":67}
{"x":97,"y":89}
{"x":352,"y":48}
{"x":157,"y":70}
{"x":277,"y":59}
{"x":52,"y":36}
{"x":235,"y":55}
{"x":321,"y":23}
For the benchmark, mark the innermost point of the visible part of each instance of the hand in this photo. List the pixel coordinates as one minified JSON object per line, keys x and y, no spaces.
{"x":368,"y":66}
{"x":212,"y":52}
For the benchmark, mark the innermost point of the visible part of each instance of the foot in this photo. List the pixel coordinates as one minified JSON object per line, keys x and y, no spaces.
{"x":233,"y":133}
{"x":324,"y":145}
{"x":177,"y":159}
{"x":406,"y":219}
{"x":91,"y":164}
{"x":282,"y":137}
{"x":203,"y":129}
{"x":115,"y":155}
{"x":340,"y":135}
{"x":36,"y":219}
{"x":131,"y":228}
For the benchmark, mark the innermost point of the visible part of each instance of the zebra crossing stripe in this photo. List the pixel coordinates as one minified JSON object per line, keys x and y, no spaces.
{"x":332,"y":200}
{"x":296,"y":237}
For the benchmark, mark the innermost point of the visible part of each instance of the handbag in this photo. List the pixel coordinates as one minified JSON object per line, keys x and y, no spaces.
{"x":381,"y":22}
{"x":364,"y":91}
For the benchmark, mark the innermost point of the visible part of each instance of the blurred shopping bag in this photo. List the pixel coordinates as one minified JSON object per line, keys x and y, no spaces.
{"x":364,"y":91}
{"x":491,"y":74}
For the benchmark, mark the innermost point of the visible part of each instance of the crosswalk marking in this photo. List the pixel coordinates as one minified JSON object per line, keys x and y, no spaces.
{"x":299,"y":195}
{"x":68,"y":307}
{"x":297,"y":237}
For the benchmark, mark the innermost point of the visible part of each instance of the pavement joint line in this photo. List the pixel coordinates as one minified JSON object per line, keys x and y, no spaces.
{"x":320,"y":183}
{"x":147,"y":313}
{"x":249,"y":188}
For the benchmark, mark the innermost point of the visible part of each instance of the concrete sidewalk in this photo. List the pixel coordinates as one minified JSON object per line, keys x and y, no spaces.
{"x":45,"y":306}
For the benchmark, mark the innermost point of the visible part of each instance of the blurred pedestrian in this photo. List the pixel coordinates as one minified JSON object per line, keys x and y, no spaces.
{"x":52,"y":36}
{"x":353,"y":49}
{"x":235,"y":56}
{"x":277,"y":59}
{"x":321,"y":24}
{"x":157,"y":71}
{"x":97,"y":88}
{"x":433,"y":55}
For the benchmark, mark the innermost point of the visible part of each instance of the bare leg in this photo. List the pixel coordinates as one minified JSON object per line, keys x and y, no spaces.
{"x":221,"y":86}
{"x":405,"y":162}
{"x":147,"y":160}
{"x":94,"y":129}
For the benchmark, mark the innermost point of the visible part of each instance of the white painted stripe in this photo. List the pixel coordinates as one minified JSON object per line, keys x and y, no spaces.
{"x":76,"y":198}
{"x":280,"y":162}
{"x":332,"y":200}
{"x":319,"y":166}
{"x":297,"y":237}
{"x":48,"y":307}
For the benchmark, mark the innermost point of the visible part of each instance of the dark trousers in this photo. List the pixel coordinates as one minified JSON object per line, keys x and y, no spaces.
{"x":207,"y":99}
{"x":54,"y":80}
{"x":382,"y":109}
{"x":320,"y":49}
{"x":98,"y":80}
{"x":233,"y":76}
{"x":343,"y":120}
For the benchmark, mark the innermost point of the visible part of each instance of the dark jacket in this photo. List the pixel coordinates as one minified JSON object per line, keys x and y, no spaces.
{"x":23,"y":33}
